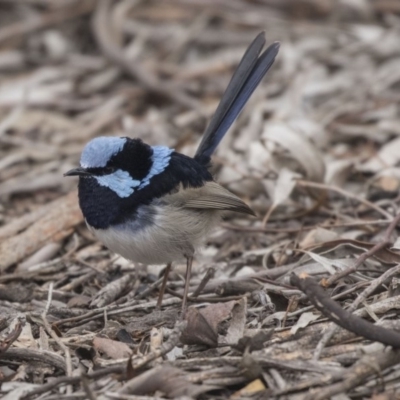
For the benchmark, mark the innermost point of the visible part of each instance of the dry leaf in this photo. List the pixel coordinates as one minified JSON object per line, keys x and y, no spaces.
{"x":199,"y":330}
{"x":303,"y":321}
{"x":388,"y":156}
{"x":237,"y":322}
{"x":302,"y":150}
{"x":112,"y":348}
{"x":166,"y":379}
{"x":250,"y":389}
{"x":112,"y":291}
{"x":202,"y":327}
{"x":317,"y":236}
{"x":325,"y":262}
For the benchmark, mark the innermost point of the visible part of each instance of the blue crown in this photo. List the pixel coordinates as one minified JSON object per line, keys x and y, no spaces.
{"x":98,"y":151}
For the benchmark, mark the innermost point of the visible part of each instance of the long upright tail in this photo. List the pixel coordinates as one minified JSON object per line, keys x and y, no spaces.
{"x":244,"y":81}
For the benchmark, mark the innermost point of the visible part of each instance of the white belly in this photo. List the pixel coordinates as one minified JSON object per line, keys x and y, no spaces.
{"x":159,"y":234}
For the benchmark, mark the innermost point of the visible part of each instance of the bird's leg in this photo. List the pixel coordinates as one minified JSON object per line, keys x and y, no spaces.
{"x":189,"y":261}
{"x":163,"y":285}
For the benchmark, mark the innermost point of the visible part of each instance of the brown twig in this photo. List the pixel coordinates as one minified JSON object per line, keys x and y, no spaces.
{"x":51,"y":333}
{"x":359,"y":300}
{"x":367,"y":366}
{"x":344,"y":193}
{"x":29,"y":355}
{"x":71,"y":380}
{"x":88,"y":390}
{"x":121,"y":368}
{"x":363,"y":257}
{"x":209,"y":275}
{"x":172,"y":341}
{"x":330,"y":309}
{"x":252,"y":229}
{"x":12,"y":336}
{"x":114,"y":310}
{"x":62,"y":215}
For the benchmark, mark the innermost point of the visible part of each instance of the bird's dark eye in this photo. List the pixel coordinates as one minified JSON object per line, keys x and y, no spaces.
{"x":108,"y":170}
{"x":101,"y":171}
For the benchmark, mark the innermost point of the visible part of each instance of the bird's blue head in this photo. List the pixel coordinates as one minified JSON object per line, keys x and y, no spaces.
{"x":115,"y":175}
{"x":120,"y":164}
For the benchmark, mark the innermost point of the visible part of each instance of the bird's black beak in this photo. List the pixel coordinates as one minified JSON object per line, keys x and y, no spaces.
{"x":77,"y":172}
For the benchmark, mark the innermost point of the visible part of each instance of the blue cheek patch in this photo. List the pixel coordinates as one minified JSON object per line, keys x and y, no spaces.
{"x":120,"y":182}
{"x":161,"y":157}
{"x":124,"y":185}
{"x":98,"y":151}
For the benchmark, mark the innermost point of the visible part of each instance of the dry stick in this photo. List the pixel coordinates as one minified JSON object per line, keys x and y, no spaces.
{"x":120,"y":396}
{"x":332,"y":310}
{"x":344,"y":193}
{"x":363,"y":257}
{"x":3,"y":323}
{"x":61,"y":217}
{"x":18,"y":224}
{"x":163,"y":285}
{"x":214,"y":299}
{"x":121,"y":368}
{"x":70,"y":380}
{"x":359,"y":300}
{"x":335,"y":297}
{"x":149,"y":289}
{"x":115,"y":309}
{"x":26,"y":355}
{"x":172,"y":341}
{"x":114,"y":53}
{"x":12,"y":336}
{"x":209,"y":275}
{"x":331,"y":332}
{"x":89,"y":392}
{"x":50,"y":331}
{"x":253,"y":229}
{"x":359,"y":368}
{"x":305,"y":384}
{"x":369,"y":365}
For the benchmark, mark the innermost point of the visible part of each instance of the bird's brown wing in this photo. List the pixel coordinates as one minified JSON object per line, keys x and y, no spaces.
{"x":214,"y":196}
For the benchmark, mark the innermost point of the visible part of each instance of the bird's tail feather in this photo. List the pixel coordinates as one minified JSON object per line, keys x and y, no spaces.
{"x":244,"y":81}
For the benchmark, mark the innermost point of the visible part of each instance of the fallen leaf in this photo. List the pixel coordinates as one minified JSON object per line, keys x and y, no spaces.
{"x":250,"y":389}
{"x":317,"y":236}
{"x":112,"y":291}
{"x":282,"y":190}
{"x":112,"y":348}
{"x":388,"y":156}
{"x":199,"y":330}
{"x":166,"y":379}
{"x":303,"y":321}
{"x":237,"y":322}
{"x":202,"y":327}
{"x":300,"y":148}
{"x":324,"y":261}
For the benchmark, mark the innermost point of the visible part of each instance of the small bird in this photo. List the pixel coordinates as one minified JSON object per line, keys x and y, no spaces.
{"x":153,"y":205}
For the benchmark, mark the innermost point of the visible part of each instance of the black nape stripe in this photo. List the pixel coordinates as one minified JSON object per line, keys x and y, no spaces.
{"x":135,"y":158}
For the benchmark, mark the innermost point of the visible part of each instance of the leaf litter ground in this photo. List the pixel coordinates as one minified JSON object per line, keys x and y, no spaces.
{"x":316,"y":153}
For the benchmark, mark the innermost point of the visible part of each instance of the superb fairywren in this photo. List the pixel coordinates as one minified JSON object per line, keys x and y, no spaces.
{"x":153,"y":205}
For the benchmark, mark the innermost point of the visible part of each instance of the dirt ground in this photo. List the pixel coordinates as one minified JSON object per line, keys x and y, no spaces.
{"x":300,"y":302}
